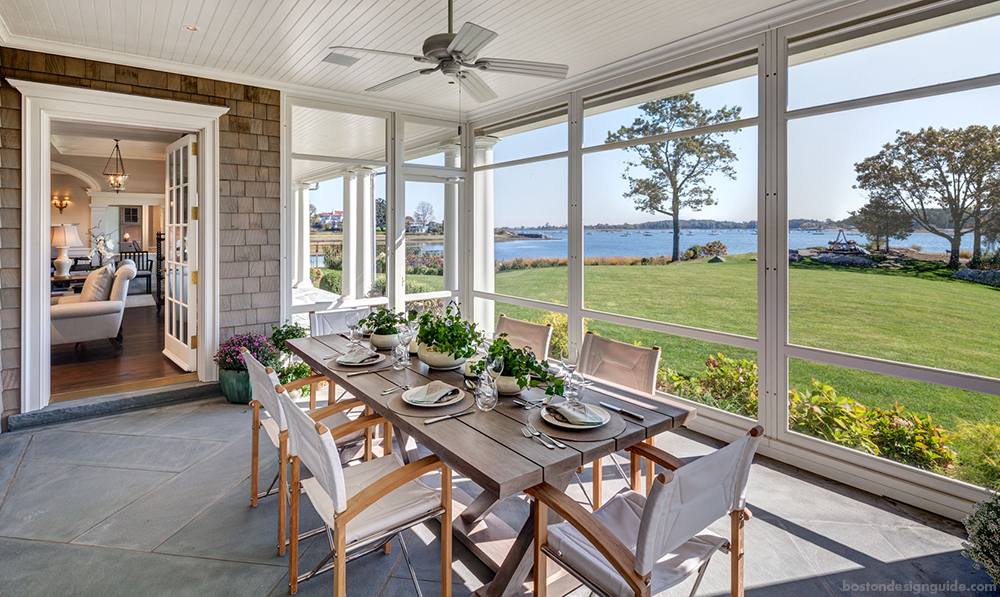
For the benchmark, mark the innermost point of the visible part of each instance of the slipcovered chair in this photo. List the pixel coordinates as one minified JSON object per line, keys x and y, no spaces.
{"x":363,"y":507}
{"x":637,"y":545}
{"x":327,"y":323}
{"x":95,"y":313}
{"x":522,"y":334}
{"x":624,"y":364}
{"x":262,"y":382}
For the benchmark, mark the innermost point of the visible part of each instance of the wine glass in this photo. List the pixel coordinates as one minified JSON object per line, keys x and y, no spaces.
{"x":569,"y":363}
{"x":352,"y":319}
{"x":495,"y":369}
{"x":405,"y":337}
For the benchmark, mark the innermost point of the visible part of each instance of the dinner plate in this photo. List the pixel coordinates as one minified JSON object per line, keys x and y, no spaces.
{"x":406,"y":398}
{"x":381,"y":357}
{"x":556,"y":422}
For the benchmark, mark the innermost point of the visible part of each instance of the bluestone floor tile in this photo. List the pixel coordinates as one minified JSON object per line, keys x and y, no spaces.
{"x":121,"y":451}
{"x":210,"y":421}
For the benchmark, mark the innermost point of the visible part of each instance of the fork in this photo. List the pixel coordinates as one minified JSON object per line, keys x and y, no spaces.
{"x":526,"y":433}
{"x":539,"y":434}
{"x":395,"y":389}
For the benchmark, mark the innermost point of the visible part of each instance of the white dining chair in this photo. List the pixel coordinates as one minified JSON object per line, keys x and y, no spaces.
{"x":262,"y":382}
{"x":328,"y":323}
{"x":365,"y":506}
{"x":626,"y":365}
{"x":524,"y":334}
{"x":637,"y":545}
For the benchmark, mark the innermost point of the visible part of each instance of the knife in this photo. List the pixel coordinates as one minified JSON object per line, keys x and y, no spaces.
{"x":436,"y":419}
{"x":622,"y":411}
{"x":368,"y":371}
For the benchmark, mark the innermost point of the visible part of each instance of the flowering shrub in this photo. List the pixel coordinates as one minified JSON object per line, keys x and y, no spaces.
{"x":229,"y":358}
{"x":714,"y":248}
{"x":425,"y":264}
{"x":983,"y":546}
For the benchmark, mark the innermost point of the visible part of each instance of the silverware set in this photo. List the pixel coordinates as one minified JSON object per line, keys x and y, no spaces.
{"x":530,"y":431}
{"x":528,"y":404}
{"x":395,"y":389}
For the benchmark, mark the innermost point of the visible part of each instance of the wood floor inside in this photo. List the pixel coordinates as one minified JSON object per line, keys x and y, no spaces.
{"x":94,"y":370}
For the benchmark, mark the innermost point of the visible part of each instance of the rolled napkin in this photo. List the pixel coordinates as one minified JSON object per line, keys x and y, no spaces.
{"x":432,"y":393}
{"x":575,"y":413}
{"x":358,"y":355}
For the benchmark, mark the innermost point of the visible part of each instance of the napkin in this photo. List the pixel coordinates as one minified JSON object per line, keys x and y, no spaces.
{"x":358,"y":355}
{"x":432,"y":392}
{"x":575,"y":414}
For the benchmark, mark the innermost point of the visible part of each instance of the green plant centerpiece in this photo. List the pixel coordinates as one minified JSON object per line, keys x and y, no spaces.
{"x":384,"y":323}
{"x":446,"y":340}
{"x":983,"y":546}
{"x":520,"y":369}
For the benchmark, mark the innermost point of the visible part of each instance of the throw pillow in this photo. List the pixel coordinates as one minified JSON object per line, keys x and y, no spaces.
{"x":98,"y":285}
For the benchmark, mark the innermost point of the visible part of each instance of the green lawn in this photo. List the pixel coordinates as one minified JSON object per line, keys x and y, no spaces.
{"x":916,"y":315}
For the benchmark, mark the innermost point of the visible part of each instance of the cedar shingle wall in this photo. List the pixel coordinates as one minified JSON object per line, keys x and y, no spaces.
{"x":249,"y":190}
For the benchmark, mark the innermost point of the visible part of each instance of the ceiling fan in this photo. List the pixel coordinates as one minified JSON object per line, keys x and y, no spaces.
{"x":456,"y":55}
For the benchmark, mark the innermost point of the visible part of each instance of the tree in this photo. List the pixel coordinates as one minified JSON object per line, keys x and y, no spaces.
{"x":380,"y":213}
{"x":408,"y":223}
{"x":677,"y":170}
{"x":313,"y":218}
{"x":423,"y":214}
{"x":880,"y":220}
{"x":948,"y":169}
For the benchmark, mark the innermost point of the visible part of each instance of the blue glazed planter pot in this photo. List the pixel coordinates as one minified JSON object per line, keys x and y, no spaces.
{"x":235,"y":386}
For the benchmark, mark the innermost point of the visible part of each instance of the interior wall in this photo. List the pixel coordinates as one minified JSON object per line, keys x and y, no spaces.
{"x":78,"y":212}
{"x":249,"y":191}
{"x":144,"y":176}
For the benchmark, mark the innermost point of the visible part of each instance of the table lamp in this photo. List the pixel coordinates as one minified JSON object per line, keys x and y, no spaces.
{"x":64,"y":236}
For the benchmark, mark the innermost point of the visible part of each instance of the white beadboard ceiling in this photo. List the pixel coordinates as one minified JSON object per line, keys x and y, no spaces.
{"x":285,"y":41}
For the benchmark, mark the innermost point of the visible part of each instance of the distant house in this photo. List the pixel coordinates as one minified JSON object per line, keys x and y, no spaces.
{"x":334,"y":219}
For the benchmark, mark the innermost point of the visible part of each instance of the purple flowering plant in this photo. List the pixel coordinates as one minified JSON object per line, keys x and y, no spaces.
{"x":229,"y":358}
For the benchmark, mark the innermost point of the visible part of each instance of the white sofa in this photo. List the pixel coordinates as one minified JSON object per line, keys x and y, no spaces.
{"x":73,"y":321}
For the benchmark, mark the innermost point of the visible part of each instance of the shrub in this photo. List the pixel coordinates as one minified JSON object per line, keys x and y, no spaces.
{"x":910,"y":438}
{"x":821,"y":412}
{"x":332,"y":282}
{"x":693,"y":252}
{"x":378,"y":287}
{"x":983,"y":546}
{"x":978,"y":448}
{"x":288,"y":331}
{"x":725,"y":383}
{"x":965,"y":254}
{"x":333,"y":256}
{"x":295,"y":370}
{"x":229,"y":357}
{"x":315,"y":274}
{"x":714,"y":248}
{"x":917,"y":248}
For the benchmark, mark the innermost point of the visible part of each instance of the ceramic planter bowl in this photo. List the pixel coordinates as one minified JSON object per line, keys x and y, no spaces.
{"x":235,"y":386}
{"x":414,"y":345}
{"x":467,"y":370}
{"x":507,"y":385}
{"x":438,"y":360}
{"x":385,"y":341}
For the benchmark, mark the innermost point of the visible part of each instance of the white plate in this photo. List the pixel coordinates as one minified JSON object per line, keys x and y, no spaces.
{"x":406,"y":398}
{"x":553,"y":421}
{"x":381,"y":357}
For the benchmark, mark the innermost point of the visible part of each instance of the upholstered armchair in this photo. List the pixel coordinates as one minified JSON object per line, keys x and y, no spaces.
{"x":74,"y":320}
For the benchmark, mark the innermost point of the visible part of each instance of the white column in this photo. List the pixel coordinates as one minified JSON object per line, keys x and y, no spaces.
{"x":365,"y":234}
{"x":302,"y":227}
{"x":482,"y":233}
{"x":453,"y":159}
{"x":350,"y":241}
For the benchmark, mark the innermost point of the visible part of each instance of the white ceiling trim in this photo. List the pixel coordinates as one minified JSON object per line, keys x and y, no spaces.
{"x":110,"y":198}
{"x":7,"y":39}
{"x":92,"y":184}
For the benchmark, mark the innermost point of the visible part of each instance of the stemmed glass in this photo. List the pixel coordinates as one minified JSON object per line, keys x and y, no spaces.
{"x":352,"y":319}
{"x":569,"y":363}
{"x":405,"y":337}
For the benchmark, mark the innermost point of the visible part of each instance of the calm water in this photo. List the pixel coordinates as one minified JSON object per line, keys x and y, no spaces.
{"x":613,"y":244}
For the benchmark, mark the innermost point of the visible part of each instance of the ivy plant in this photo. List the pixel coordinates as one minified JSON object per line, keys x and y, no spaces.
{"x":383,"y":321}
{"x":448,"y":333}
{"x":521,"y":364}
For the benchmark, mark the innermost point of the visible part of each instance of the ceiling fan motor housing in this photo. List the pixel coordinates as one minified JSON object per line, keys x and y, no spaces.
{"x":436,"y":46}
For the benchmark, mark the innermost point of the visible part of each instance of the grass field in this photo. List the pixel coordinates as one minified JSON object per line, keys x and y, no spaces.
{"x":917,"y":315}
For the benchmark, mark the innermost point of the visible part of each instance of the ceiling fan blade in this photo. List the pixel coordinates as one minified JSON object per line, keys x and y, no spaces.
{"x":470,"y":39}
{"x":344,"y":60}
{"x":524,"y":67}
{"x":397,"y":80}
{"x":477,"y":87}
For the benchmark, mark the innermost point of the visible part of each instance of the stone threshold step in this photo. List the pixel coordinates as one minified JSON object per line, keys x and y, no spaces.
{"x":97,"y":406}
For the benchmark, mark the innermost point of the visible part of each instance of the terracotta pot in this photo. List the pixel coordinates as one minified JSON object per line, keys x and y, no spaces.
{"x":438,"y":360}
{"x":235,"y":386}
{"x":385,"y":341}
{"x":507,"y":385}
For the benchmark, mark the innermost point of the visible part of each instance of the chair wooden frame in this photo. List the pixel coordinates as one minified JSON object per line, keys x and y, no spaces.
{"x":343,"y":552}
{"x":618,"y":555}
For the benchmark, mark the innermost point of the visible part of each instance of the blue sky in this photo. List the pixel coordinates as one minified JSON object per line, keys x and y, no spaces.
{"x":822,"y":149}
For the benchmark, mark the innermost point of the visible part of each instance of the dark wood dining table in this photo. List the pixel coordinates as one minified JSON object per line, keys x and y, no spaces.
{"x":489,"y":449}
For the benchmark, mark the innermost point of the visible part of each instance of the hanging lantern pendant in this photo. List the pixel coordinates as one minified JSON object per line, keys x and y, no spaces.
{"x":116,"y":172}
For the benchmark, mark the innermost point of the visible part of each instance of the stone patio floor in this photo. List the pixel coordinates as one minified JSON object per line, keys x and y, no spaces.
{"x":155,"y":502}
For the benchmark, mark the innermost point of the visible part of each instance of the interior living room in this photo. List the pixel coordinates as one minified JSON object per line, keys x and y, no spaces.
{"x":457,"y":297}
{"x":101,"y":222}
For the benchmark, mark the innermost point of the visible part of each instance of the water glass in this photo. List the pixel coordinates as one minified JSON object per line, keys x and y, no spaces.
{"x":400,"y":357}
{"x":352,"y":319}
{"x":486,"y":396}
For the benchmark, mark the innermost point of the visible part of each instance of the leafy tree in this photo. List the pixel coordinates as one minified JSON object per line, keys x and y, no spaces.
{"x":423,"y":214}
{"x":313,"y":217}
{"x":880,"y":220}
{"x":408,"y":223}
{"x":671,"y":175}
{"x":935,"y":168}
{"x":380,"y":213}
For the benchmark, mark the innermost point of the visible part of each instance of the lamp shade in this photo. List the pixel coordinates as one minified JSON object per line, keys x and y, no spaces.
{"x":65,"y":235}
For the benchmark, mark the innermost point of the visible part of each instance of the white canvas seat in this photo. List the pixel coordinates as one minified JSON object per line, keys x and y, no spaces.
{"x":363,"y":506}
{"x":636,"y":546}
{"x":326,"y":323}
{"x":524,"y":334}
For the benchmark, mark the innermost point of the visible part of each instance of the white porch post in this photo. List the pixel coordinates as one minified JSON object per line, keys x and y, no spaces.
{"x":365,"y":233}
{"x":453,"y":159}
{"x":350,"y":236}
{"x":301,"y":240}
{"x":482,"y":233}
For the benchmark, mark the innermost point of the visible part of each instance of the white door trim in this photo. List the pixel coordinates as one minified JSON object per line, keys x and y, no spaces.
{"x":41,"y":103}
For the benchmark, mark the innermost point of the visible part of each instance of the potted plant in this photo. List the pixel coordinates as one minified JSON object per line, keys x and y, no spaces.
{"x":520,"y":369}
{"x":445,"y":341}
{"x":289,"y":368}
{"x":383,"y":323}
{"x":983,"y":546}
{"x":233,"y":376}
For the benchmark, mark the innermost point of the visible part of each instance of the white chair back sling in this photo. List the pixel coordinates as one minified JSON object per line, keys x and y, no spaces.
{"x":522,"y":334}
{"x":326,"y":323}
{"x":262,"y":388}
{"x":317,"y":452}
{"x":624,"y":364}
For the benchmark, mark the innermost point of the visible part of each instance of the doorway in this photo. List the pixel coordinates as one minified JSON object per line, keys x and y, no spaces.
{"x":46,"y":105}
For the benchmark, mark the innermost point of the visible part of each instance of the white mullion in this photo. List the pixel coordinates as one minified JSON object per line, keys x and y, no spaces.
{"x":521,"y":302}
{"x":674,"y":329}
{"x":574,"y":243}
{"x":466,"y":210}
{"x":332,"y":159}
{"x":523,"y":161}
{"x":395,"y":261}
{"x":779,"y":236}
{"x":682,"y":134}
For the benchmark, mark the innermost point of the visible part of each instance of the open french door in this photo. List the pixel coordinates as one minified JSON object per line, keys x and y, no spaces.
{"x":181,"y":254}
